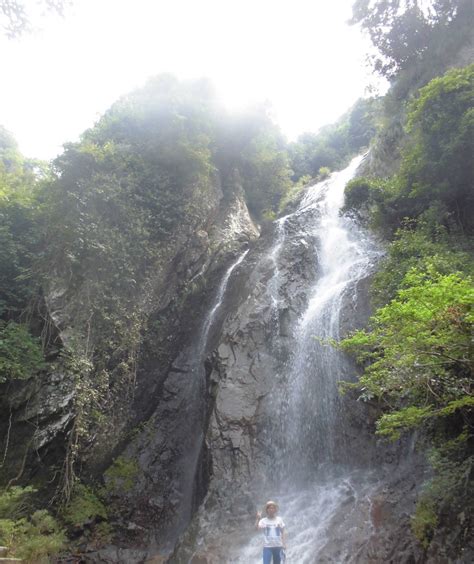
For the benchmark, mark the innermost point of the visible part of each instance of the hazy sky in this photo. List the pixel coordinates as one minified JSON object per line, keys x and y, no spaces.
{"x":299,"y":54}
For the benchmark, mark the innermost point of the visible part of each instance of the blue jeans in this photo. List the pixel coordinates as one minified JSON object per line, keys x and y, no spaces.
{"x":269,"y":552}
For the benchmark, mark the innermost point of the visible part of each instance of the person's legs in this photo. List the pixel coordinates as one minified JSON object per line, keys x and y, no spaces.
{"x":267,"y":555}
{"x":276,"y":555}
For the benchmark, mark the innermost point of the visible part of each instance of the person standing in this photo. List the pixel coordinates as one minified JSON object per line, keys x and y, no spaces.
{"x":274,"y":536}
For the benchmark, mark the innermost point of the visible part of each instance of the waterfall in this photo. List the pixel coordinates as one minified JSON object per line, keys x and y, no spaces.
{"x":211,"y":316}
{"x":275,"y":281}
{"x":318,"y":499}
{"x":345,"y":255}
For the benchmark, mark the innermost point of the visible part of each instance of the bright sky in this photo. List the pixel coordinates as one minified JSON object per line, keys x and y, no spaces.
{"x":299,"y":54}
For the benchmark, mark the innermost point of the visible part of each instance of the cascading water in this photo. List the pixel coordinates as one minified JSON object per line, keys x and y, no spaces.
{"x":211,"y":316}
{"x":275,"y":281}
{"x":345,"y":255}
{"x":311,"y":498}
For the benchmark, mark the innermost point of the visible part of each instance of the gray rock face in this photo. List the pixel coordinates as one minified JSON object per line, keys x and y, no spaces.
{"x":172,"y":398}
{"x":247,"y":364}
{"x":35,"y":415}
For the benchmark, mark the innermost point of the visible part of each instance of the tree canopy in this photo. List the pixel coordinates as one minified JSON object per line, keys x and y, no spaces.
{"x":334,"y":144}
{"x":16,"y":15}
{"x":403,"y":30}
{"x":436,"y":170}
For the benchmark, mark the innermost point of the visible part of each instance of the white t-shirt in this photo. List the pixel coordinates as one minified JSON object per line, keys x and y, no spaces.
{"x":272,"y":531}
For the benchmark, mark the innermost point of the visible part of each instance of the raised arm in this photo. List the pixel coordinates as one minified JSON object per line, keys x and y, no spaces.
{"x":259,"y":516}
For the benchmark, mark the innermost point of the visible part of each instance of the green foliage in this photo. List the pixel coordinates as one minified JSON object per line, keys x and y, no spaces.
{"x":435,"y":178}
{"x":139,"y":171}
{"x":418,"y":349}
{"x":333,"y":146}
{"x":324,"y":172}
{"x":36,"y":539}
{"x":265,"y":172}
{"x":252,"y":145}
{"x":268,"y":215}
{"x":121,"y":475}
{"x":419,"y":244}
{"x":450,"y":492}
{"x":33,"y":536}
{"x":363,"y":194}
{"x":103,"y":533}
{"x":424,"y":521}
{"x":441,"y":128}
{"x":391,"y":425}
{"x":293,"y":192}
{"x":417,"y":359}
{"x":405,"y":32}
{"x":20,"y":353}
{"x":19,"y":226}
{"x":15,"y":501}
{"x":83,"y":507}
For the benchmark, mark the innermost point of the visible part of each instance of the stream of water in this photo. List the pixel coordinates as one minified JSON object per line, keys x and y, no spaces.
{"x":197,"y":394}
{"x":318,"y":504}
{"x":211,"y":316}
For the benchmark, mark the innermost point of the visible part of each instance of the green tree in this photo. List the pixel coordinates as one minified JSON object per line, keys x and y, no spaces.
{"x":16,"y":15}
{"x":252,"y":144}
{"x":265,"y":172}
{"x":402,"y":31}
{"x":435,"y":176}
{"x":437,"y":161}
{"x":418,"y":351}
{"x":19,"y":225}
{"x":20,"y":353}
{"x":334,"y":144}
{"x":34,"y":536}
{"x":418,"y":245}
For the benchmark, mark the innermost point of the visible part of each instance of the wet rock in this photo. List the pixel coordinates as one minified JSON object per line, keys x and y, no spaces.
{"x":116,"y":555}
{"x":158,"y":559}
{"x":169,"y":448}
{"x":35,"y":416}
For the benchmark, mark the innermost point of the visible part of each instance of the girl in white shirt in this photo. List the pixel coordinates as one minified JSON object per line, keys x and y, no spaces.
{"x":274,"y":534}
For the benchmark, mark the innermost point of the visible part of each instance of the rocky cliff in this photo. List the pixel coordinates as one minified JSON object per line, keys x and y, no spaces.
{"x":38,"y":415}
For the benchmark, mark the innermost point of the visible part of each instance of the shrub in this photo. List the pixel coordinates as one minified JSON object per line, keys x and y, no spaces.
{"x":121,"y":474}
{"x":15,"y":501}
{"x":424,"y":521}
{"x":20,"y":353}
{"x":36,"y":537}
{"x":84,"y":507}
{"x":324,"y":172}
{"x":35,"y":540}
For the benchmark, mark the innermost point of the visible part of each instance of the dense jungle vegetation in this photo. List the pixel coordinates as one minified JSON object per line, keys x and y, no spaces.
{"x":101,"y":214}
